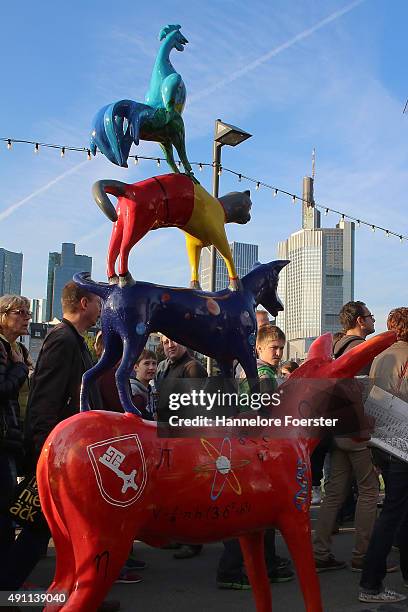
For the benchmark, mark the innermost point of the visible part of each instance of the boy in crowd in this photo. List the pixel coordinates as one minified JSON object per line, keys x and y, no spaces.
{"x":142,"y":392}
{"x":270,"y":343}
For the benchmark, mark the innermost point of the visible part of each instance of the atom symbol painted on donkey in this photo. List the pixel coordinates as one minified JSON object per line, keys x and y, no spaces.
{"x":222,"y":466}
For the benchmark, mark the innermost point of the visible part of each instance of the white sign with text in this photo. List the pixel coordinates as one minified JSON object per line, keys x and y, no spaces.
{"x":391,"y":422}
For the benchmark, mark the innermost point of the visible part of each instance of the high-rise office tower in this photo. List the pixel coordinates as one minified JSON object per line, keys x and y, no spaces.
{"x":318,"y":280}
{"x":11,"y":270}
{"x":245,"y":255}
{"x":61,"y":268}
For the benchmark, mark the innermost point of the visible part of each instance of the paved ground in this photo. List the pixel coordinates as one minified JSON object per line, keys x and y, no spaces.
{"x":189,"y":585}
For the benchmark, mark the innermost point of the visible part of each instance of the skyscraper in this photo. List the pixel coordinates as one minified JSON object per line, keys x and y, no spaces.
{"x":318,"y":280}
{"x":61,"y":268}
{"x":245,"y":255}
{"x":11,"y":270}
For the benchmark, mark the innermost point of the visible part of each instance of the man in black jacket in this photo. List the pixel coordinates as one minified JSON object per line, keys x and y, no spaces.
{"x":64,"y":357}
{"x":54,"y":396}
{"x":178,"y":364}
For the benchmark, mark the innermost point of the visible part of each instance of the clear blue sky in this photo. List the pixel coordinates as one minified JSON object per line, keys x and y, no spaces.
{"x":298,"y":74}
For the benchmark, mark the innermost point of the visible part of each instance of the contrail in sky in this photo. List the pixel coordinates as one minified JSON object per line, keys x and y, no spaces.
{"x":6,"y":213}
{"x":264,"y":58}
{"x":95,"y":232}
{"x":205,"y":92}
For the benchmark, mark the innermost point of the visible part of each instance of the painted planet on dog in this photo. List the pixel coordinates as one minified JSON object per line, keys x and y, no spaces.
{"x":213,"y":307}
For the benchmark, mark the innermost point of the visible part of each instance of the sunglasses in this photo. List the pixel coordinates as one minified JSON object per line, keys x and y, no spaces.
{"x":21,"y":312}
{"x":366,"y":316}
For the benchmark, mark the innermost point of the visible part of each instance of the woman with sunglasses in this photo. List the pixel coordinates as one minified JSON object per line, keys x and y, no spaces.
{"x":14,"y":369}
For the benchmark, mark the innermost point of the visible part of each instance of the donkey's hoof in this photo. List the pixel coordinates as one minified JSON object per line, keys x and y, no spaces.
{"x":113,"y":280}
{"x":234,"y":284}
{"x":195,"y":285}
{"x":126,"y":280}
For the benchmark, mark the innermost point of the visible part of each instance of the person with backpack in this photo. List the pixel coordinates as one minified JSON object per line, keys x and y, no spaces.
{"x":389,"y":371}
{"x":349,"y":457}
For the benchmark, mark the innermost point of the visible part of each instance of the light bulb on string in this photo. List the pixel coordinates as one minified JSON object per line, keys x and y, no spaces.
{"x":220,"y":171}
{"x":239,"y":177}
{"x":200,"y":167}
{"x":88,"y":154}
{"x":358,"y":222}
{"x":400,"y":238}
{"x":294,"y":199}
{"x":158,"y":161}
{"x":258,"y":184}
{"x":179,"y":163}
{"x":387,"y":234}
{"x":62,"y":151}
{"x":275,"y":193}
{"x":136,"y":160}
{"x":36,"y":147}
{"x":326,"y":212}
{"x":9,"y":144}
{"x":373,"y":228}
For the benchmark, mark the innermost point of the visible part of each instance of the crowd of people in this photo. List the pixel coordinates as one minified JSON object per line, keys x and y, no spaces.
{"x":33,"y":400}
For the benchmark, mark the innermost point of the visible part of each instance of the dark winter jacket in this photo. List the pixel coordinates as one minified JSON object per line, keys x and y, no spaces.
{"x":12,"y":378}
{"x":56,"y":383}
{"x":144,"y":399}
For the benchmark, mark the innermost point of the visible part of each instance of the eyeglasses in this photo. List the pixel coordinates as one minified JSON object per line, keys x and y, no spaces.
{"x":21,"y":312}
{"x":366,"y":316}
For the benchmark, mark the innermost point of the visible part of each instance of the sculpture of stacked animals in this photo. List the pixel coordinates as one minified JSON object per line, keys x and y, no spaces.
{"x":101,"y":474}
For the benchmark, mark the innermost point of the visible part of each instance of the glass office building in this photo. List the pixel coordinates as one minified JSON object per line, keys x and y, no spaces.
{"x":11,"y":271}
{"x":244,"y":255}
{"x":318,"y":280}
{"x":61,"y":268}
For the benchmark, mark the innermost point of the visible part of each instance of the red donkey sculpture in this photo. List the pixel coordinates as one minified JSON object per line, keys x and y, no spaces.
{"x":106,"y":478}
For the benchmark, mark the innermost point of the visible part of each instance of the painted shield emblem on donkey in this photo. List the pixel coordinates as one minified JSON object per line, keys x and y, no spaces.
{"x":120,"y":469}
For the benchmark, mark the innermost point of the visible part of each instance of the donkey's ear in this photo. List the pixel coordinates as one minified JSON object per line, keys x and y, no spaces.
{"x":247,"y":192}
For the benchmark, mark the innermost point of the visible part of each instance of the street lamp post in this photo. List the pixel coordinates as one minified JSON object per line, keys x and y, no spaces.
{"x":224,"y":134}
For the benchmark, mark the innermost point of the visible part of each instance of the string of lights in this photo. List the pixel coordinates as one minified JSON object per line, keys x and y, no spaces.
{"x":240,"y":176}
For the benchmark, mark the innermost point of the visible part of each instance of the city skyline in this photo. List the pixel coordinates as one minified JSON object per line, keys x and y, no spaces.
{"x":327,"y":75}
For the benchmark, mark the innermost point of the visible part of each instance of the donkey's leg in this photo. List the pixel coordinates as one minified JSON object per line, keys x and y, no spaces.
{"x":132,"y":347}
{"x":114,"y":247}
{"x":194,"y":247}
{"x":252,"y":546}
{"x":295,"y":528}
{"x":99,"y":556}
{"x":64,"y":576}
{"x":110,"y":356}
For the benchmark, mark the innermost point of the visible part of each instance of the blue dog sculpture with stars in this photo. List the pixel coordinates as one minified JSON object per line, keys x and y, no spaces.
{"x":221,"y":325}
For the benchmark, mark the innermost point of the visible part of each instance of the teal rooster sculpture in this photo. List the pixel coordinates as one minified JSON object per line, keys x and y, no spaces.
{"x":118,"y":125}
